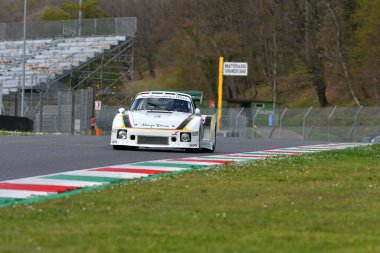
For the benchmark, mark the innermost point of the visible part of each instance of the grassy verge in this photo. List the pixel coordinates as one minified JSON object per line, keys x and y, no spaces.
{"x":326,"y":202}
{"x":3,"y":132}
{"x":8,"y":133}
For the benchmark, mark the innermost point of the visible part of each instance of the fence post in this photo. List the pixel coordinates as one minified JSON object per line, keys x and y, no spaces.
{"x":356,"y":121}
{"x":72,"y":111}
{"x":235,"y":133}
{"x":41,"y":111}
{"x":281,"y":117}
{"x":254,"y":117}
{"x":16,"y":104}
{"x":95,"y":27}
{"x":82,"y":105}
{"x":304,"y":121}
{"x":59,"y":111}
{"x":329,"y":126}
{"x":253,"y":122}
{"x":1,"y":98}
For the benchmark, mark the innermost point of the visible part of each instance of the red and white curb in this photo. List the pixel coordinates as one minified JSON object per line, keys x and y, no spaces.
{"x":55,"y":185}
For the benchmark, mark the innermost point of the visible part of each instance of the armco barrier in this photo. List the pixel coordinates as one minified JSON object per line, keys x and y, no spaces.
{"x":11,"y":123}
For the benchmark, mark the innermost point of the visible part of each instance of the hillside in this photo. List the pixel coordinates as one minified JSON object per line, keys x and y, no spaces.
{"x":316,"y":52}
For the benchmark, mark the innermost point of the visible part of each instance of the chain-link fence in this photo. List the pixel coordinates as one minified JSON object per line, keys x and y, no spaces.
{"x":69,"y":28}
{"x":67,"y":112}
{"x":323,"y":124}
{"x":55,"y":111}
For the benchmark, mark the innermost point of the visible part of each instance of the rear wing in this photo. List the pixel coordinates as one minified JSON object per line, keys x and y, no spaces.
{"x":196,"y":95}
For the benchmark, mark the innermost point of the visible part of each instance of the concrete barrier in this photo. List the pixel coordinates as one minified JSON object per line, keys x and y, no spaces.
{"x":11,"y":123}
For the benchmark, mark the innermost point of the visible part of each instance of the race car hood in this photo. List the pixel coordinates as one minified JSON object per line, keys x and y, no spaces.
{"x":157,"y":119}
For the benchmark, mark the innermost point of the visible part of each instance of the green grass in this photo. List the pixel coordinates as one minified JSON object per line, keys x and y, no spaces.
{"x":3,"y":132}
{"x":9,"y":133}
{"x":325,"y":202}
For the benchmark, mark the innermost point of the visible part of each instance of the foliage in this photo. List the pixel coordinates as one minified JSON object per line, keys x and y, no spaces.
{"x":365,"y":51}
{"x":54,"y":13}
{"x":337,"y":42}
{"x":69,"y":10}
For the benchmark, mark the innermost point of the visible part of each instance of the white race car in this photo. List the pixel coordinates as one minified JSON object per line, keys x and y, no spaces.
{"x":164,"y":119}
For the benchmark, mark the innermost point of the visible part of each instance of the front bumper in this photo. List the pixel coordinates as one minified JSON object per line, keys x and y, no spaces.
{"x":154,"y":138}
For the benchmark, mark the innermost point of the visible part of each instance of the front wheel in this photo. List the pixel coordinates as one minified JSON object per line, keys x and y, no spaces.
{"x":212,"y":150}
{"x":198,"y":149}
{"x":120,"y":147}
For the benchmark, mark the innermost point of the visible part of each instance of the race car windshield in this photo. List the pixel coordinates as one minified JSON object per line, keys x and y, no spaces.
{"x":162,"y":104}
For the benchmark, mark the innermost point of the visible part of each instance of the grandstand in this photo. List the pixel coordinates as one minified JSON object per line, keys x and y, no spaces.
{"x":47,"y":58}
{"x":63,"y":55}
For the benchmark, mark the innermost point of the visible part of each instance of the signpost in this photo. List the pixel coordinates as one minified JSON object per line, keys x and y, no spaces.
{"x":235,"y":69}
{"x":228,"y":69}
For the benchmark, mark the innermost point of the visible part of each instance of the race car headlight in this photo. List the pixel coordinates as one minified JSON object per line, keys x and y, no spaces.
{"x":185,"y":137}
{"x":122,"y":134}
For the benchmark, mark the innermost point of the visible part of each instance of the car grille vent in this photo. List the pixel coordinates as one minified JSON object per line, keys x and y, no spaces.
{"x":153,"y":140}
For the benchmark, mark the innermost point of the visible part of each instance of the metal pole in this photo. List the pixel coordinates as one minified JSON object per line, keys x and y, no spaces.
{"x":80,"y":18}
{"x":59,"y":111}
{"x":329,"y":126}
{"x":72,"y":111}
{"x":1,"y":98}
{"x":236,"y":122}
{"x":304,"y":121}
{"x":41,"y":112}
{"x":282,"y":116}
{"x":356,"y":121}
{"x":255,"y":116}
{"x":82,"y":117}
{"x":274,"y":72}
{"x":23,"y":62}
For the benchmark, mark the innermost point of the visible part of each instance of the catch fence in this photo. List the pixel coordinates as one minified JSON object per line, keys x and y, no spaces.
{"x":319,"y":124}
{"x":64,"y":111}
{"x":68,"y":28}
{"x":55,"y":111}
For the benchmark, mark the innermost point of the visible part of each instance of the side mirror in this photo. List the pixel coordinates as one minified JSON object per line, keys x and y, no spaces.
{"x":121,"y":110}
{"x":197,"y":111}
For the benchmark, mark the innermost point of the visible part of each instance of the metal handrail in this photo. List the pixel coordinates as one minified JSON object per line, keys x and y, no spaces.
{"x":59,"y":28}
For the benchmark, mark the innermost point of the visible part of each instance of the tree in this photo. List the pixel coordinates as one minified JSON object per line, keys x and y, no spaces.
{"x":70,"y":10}
{"x":364,"y":52}
{"x":306,"y":18}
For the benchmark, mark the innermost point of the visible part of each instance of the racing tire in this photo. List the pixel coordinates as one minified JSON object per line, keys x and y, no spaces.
{"x":206,"y":150}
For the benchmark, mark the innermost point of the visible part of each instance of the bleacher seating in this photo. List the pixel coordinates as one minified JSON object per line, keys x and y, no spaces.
{"x":47,"y":58}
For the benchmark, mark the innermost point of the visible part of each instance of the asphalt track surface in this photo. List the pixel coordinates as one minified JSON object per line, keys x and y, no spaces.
{"x":27,"y":156}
